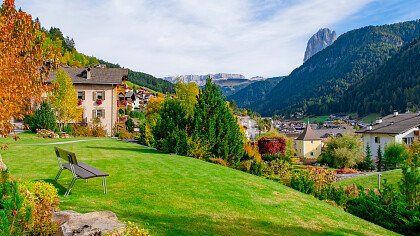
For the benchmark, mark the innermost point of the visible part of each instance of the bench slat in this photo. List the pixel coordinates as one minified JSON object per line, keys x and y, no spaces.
{"x":89,"y":168}
{"x":82,"y":173}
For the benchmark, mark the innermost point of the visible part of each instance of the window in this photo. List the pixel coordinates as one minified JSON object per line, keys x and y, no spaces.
{"x":99,"y":113}
{"x":407,"y":140}
{"x":312,"y":153}
{"x":377,"y":140}
{"x":312,"y":142}
{"x":99,"y":95}
{"x":81,"y":95}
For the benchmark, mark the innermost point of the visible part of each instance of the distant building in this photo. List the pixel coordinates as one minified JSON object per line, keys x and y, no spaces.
{"x":399,"y":128}
{"x":308,"y":144}
{"x":97,"y":92}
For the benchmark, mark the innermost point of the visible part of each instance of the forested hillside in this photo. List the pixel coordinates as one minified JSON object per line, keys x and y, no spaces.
{"x":393,"y":86}
{"x":254,"y":91}
{"x":64,"y":51}
{"x":317,"y":85}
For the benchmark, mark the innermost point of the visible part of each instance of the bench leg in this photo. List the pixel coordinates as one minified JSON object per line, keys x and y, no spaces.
{"x":70,"y":187}
{"x":104,"y":184}
{"x":58,"y":175}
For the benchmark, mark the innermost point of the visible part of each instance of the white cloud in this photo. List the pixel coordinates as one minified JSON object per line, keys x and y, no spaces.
{"x":175,"y":37}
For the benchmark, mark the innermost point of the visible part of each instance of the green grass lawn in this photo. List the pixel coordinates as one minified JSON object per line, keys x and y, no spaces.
{"x":174,"y":195}
{"x":371,"y":118}
{"x":371,"y":181}
{"x":316,"y":119}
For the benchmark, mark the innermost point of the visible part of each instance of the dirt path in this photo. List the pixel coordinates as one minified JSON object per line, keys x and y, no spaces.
{"x":59,"y":143}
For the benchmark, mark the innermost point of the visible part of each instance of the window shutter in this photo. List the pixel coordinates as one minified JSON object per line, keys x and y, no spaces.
{"x":94,"y":96}
{"x":93,"y":114}
{"x":103,"y":95}
{"x":103,"y":113}
{"x":83,"y":95}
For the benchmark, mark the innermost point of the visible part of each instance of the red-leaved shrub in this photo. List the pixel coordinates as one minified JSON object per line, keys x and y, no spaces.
{"x":272,"y":146}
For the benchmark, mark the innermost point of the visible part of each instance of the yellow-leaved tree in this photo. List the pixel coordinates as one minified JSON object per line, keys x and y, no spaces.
{"x":64,"y":99}
{"x":21,"y":66}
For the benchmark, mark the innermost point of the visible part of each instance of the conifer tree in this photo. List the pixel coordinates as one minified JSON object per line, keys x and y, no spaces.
{"x":215,"y":124}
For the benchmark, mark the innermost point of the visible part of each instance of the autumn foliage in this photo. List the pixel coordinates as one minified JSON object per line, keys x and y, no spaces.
{"x":272,"y":146}
{"x":21,"y":61}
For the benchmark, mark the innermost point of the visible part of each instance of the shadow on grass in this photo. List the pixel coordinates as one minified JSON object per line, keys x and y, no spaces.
{"x":60,"y":188}
{"x":140,"y":149}
{"x":205,"y":225}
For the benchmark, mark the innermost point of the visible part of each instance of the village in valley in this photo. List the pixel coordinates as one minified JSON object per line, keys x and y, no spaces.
{"x":92,"y":147}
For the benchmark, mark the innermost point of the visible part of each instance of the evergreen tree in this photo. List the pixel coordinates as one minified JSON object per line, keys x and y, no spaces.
{"x":44,"y":118}
{"x":380,"y":161}
{"x":216,"y":126}
{"x":410,"y":182}
{"x":367,"y":163}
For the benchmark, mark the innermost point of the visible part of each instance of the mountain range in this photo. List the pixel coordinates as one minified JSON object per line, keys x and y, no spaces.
{"x":324,"y":83}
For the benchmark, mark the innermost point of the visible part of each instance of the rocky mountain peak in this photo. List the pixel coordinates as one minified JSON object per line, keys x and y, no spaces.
{"x":322,"y":39}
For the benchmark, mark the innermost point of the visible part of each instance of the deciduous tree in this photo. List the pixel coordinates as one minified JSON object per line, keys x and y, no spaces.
{"x":21,"y":61}
{"x":64,"y":98}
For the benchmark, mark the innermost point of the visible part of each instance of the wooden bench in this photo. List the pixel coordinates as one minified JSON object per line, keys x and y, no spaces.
{"x":78,"y":169}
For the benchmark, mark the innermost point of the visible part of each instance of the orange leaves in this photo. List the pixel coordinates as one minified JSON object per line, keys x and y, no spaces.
{"x":21,"y":64}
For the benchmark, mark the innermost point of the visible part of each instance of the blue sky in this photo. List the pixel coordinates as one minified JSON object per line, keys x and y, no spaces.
{"x":174,"y":37}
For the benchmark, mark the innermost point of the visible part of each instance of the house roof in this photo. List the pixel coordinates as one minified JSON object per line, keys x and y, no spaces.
{"x":98,"y":75}
{"x":308,"y":134}
{"x":394,"y":124}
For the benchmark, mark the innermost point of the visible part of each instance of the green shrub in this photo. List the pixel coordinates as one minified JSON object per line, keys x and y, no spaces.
{"x":256,"y":168}
{"x":42,"y":200}
{"x":387,"y":210}
{"x":330,"y":192}
{"x":394,"y":155}
{"x":14,"y":217}
{"x":303,"y":182}
{"x":197,"y":149}
{"x":68,"y":129}
{"x":278,"y":169}
{"x":43,"y":118}
{"x":343,"y":152}
{"x":129,"y":124}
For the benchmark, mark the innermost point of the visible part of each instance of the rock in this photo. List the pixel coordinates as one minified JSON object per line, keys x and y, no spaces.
{"x":322,"y":39}
{"x":89,"y":224}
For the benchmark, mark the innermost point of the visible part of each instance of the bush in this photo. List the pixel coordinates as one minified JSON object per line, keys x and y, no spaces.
{"x":129,"y":124}
{"x":43,"y":118}
{"x":198,"y":149}
{"x":330,"y":192}
{"x":219,"y":161}
{"x":251,"y":153}
{"x":272,"y":146}
{"x":124,"y":134}
{"x":342,"y":152}
{"x":302,"y":182}
{"x":387,"y":210}
{"x":14,"y":218}
{"x":130,"y":229}
{"x":278,"y":169}
{"x":97,"y":129}
{"x":42,"y":200}
{"x":346,"y":171}
{"x":94,"y":129}
{"x":256,"y":168}
{"x":394,"y":155}
{"x":245,"y":166}
{"x":43,"y":133}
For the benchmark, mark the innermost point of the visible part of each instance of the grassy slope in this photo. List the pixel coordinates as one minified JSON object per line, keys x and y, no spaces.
{"x":371,"y":181}
{"x":316,"y":119}
{"x":371,"y":118}
{"x":176,"y":195}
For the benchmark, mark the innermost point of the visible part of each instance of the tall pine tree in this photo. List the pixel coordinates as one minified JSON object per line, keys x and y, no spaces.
{"x":215,"y":124}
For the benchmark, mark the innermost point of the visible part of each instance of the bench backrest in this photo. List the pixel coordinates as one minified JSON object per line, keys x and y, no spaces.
{"x":66,"y":155}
